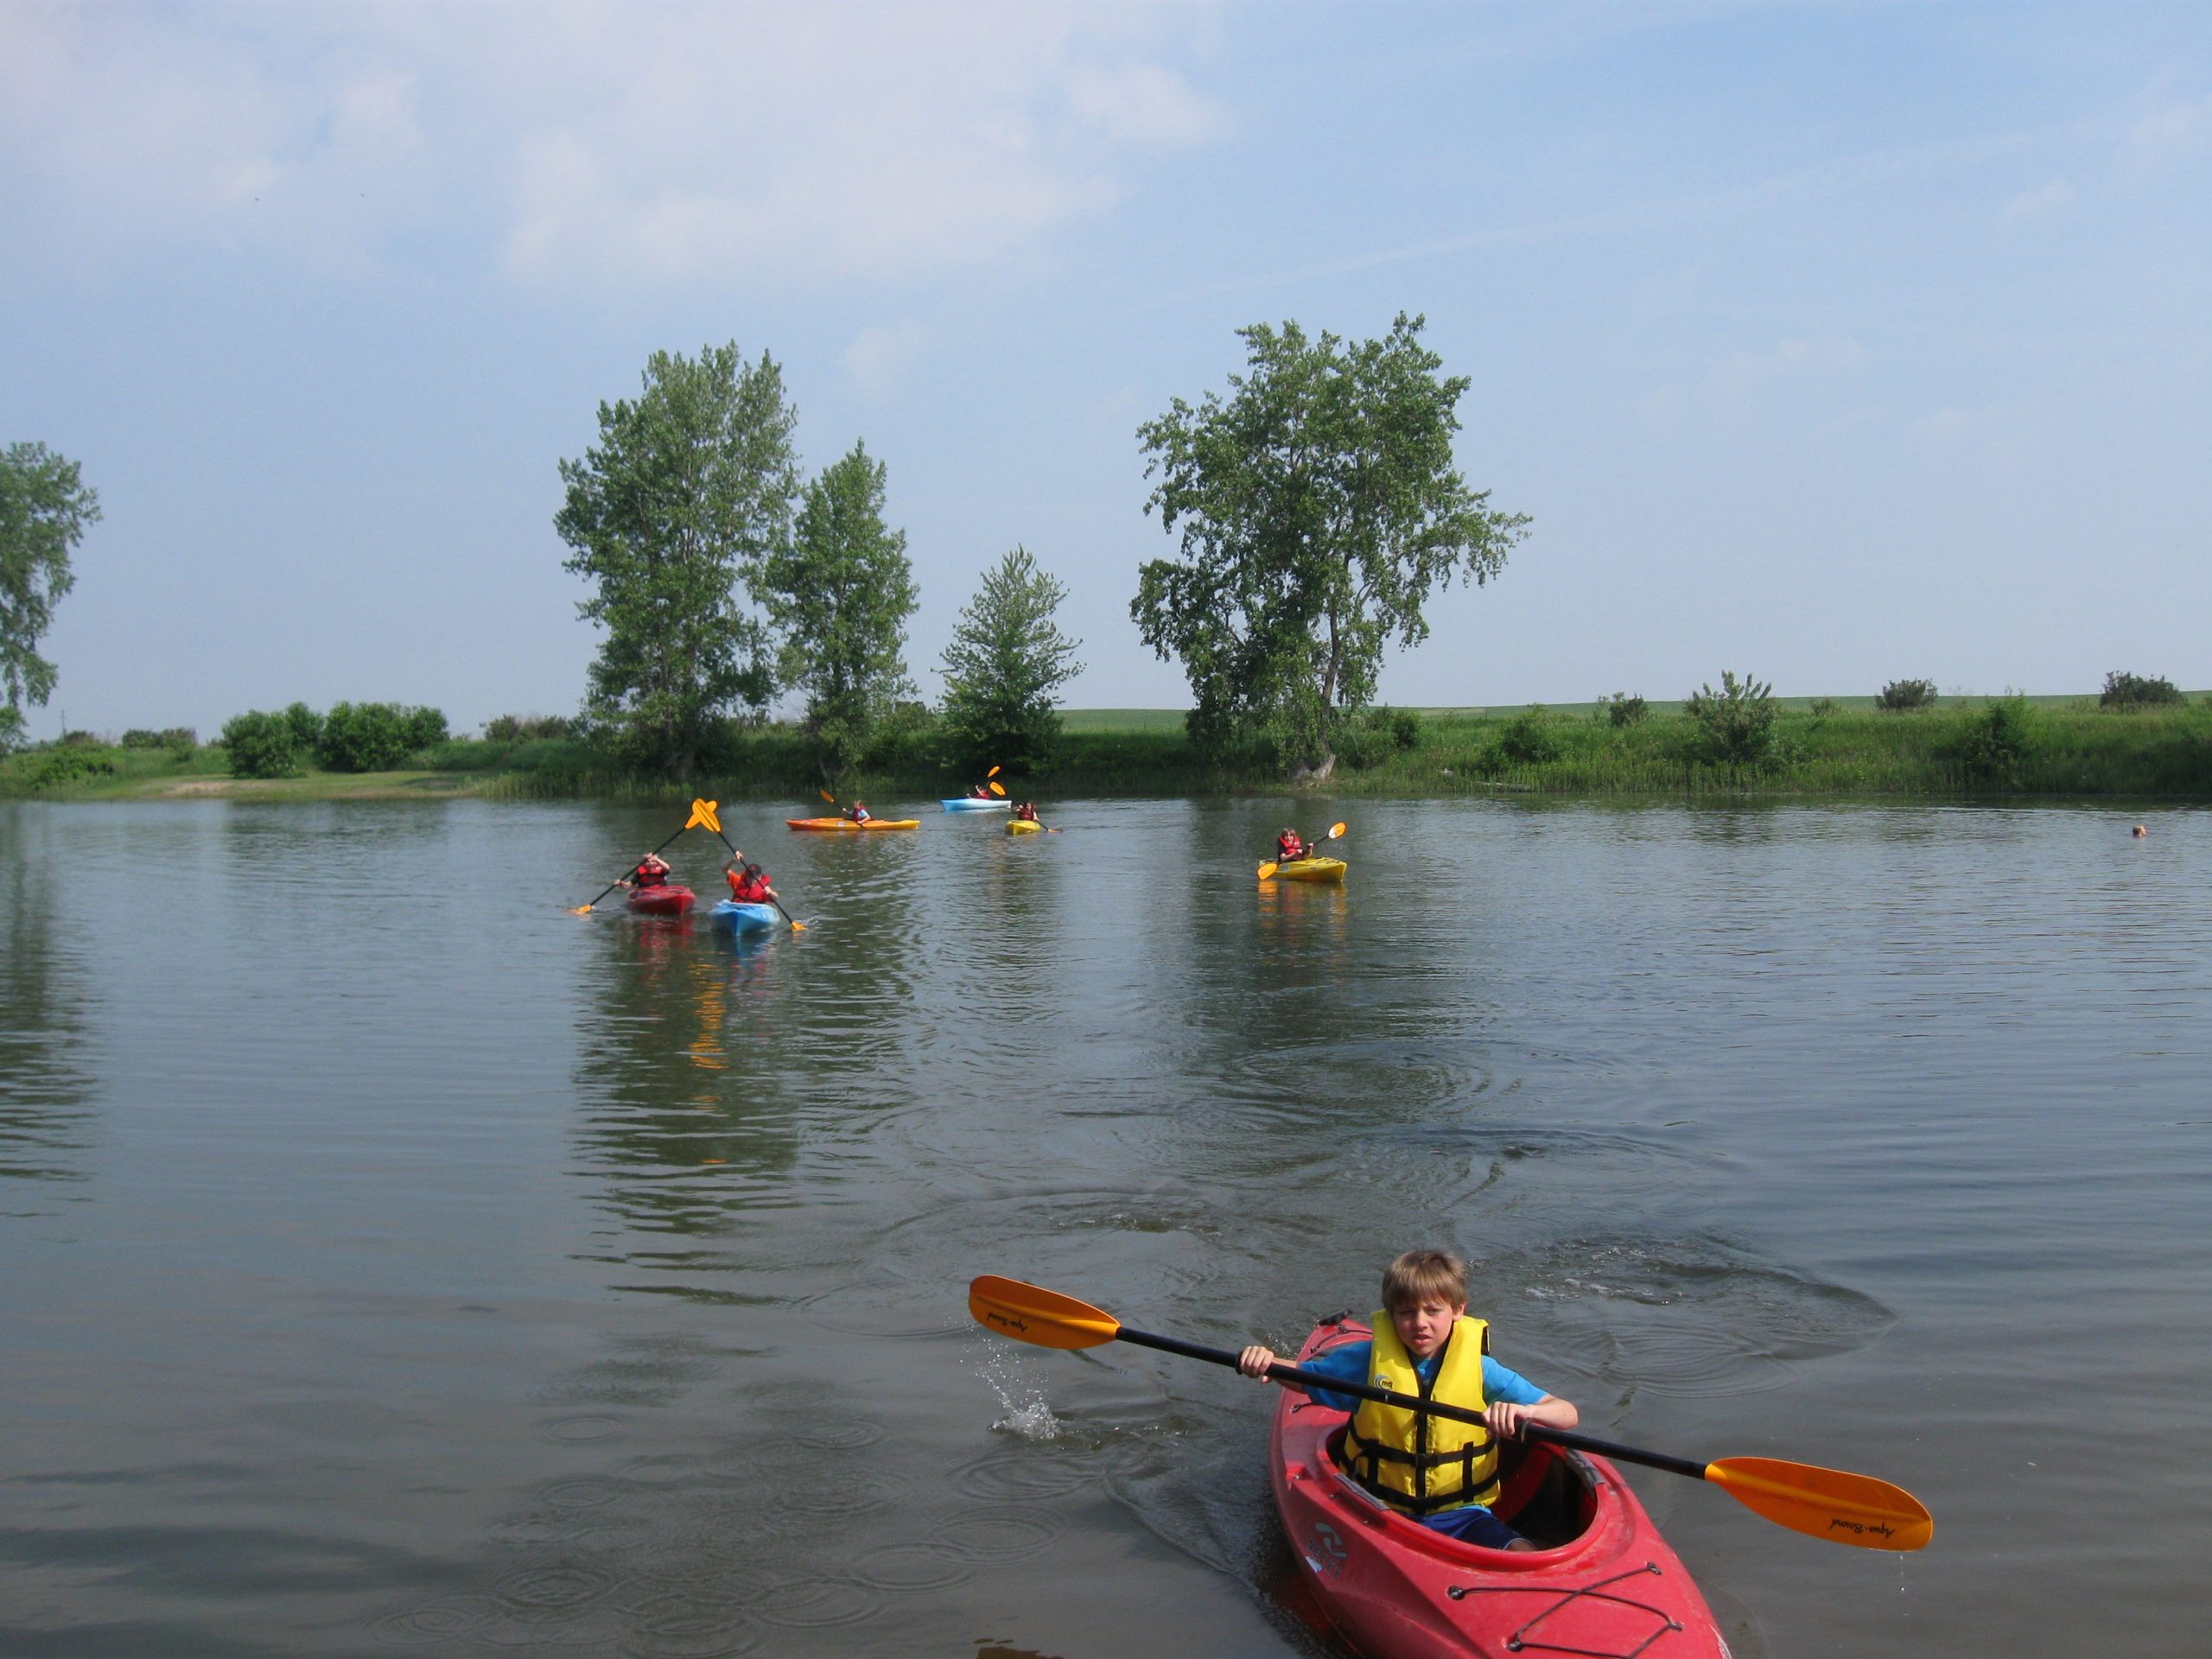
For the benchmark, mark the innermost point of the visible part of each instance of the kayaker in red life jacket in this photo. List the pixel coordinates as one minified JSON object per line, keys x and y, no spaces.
{"x":1288,"y":846}
{"x":748,"y":882}
{"x":1027,"y":812}
{"x":858,"y":812}
{"x":652,"y":872}
{"x":1426,"y":1344}
{"x":979,"y":793}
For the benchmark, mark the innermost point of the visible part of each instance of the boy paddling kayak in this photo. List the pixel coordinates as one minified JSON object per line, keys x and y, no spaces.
{"x":1439,"y":1472}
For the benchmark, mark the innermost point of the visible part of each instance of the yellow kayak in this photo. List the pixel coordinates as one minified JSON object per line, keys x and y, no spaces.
{"x":1023,"y":827}
{"x":1310,"y":869}
{"x":847,"y":823}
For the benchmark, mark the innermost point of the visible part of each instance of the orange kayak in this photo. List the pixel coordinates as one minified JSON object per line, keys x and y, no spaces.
{"x":847,"y":823}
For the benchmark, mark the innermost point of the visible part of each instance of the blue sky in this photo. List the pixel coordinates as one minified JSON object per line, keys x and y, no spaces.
{"x":1834,"y":342}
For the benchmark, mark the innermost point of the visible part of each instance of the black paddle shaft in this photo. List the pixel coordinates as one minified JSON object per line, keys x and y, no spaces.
{"x":1306,"y":1379}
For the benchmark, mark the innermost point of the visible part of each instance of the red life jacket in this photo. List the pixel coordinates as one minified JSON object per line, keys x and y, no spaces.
{"x":645,"y":878}
{"x":748,"y":889}
{"x":1292,"y":848}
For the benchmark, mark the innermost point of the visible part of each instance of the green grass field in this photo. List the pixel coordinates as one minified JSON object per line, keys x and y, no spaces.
{"x":2058,"y":746}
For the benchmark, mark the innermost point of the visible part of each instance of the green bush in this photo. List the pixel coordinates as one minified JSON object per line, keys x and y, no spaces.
{"x":305,"y":726}
{"x":2134,"y":691}
{"x":261,"y":745}
{"x":1528,"y":739}
{"x":1826,"y":707}
{"x":66,"y":763}
{"x":1993,"y":746}
{"x":1404,"y":726}
{"x":425,"y":727}
{"x":177,"y":739}
{"x":906,"y":742}
{"x":1622,"y":709}
{"x":527,"y":729}
{"x":1734,"y":725}
{"x":376,"y":736}
{"x":1903,"y":696}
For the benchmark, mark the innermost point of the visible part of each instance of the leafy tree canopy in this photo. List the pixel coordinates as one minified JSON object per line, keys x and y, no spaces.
{"x":841,"y":593}
{"x":45,"y":507}
{"x":688,"y":489}
{"x":1319,"y":505}
{"x":1007,"y":659}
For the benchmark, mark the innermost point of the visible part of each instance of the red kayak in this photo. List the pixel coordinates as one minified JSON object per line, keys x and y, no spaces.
{"x":667,"y":900}
{"x":1600,"y":1582}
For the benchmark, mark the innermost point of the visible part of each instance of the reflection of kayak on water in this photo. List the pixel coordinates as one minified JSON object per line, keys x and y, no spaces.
{"x":741,"y":919}
{"x":667,"y":899}
{"x":1309,"y":869}
{"x":847,"y":823}
{"x":1601,"y":1581}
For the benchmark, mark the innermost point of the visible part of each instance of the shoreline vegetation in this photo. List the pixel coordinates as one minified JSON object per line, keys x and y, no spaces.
{"x":1956,"y":748}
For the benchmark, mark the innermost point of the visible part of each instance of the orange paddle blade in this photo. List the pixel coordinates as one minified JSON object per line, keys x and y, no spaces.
{"x":1335,"y":830}
{"x":993,"y":773}
{"x":1031,"y":1313}
{"x":702,"y":816}
{"x":998,"y":789}
{"x":827,"y":796}
{"x":1830,"y":1504}
{"x":580,"y":910}
{"x":1268,"y":869}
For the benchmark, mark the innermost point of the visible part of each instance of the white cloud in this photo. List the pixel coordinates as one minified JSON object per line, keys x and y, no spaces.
{"x":593,"y":141}
{"x":879,"y":356}
{"x":1744,"y":372}
{"x":2044,"y":203}
{"x":2168,"y":129}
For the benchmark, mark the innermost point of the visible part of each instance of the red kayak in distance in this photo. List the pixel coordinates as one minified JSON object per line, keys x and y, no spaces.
{"x":667,"y":900}
{"x":1601,"y":1581}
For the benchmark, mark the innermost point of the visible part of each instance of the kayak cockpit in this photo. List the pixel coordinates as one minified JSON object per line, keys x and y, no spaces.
{"x":1544,"y":1495}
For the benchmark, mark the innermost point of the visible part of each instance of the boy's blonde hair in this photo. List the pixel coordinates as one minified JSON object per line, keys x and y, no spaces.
{"x":1419,"y":1274}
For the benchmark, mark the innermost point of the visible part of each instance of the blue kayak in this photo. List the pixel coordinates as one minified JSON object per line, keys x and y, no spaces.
{"x":970,"y":804}
{"x":741,"y":919}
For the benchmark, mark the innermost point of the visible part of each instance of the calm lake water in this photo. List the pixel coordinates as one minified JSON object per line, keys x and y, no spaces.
{"x":397,"y":1263}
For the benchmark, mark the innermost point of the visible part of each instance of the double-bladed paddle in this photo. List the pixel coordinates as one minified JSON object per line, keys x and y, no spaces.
{"x":1271,"y":867}
{"x":1828,"y":1504}
{"x":702,"y":816}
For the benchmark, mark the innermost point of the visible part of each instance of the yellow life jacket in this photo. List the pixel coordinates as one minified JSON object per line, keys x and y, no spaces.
{"x":1412,"y":1460}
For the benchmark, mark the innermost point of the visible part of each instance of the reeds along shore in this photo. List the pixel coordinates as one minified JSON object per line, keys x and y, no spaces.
{"x":1965,"y":747}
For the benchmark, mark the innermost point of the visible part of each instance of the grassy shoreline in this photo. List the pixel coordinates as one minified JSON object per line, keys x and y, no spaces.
{"x":2068,"y":748}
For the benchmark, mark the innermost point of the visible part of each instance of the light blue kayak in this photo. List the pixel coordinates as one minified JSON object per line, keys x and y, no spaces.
{"x":742,"y":920}
{"x":970,"y":804}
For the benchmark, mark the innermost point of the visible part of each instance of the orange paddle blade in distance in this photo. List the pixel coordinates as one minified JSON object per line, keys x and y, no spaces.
{"x":827,"y":796}
{"x":1335,"y":830}
{"x":1830,"y":1504}
{"x":998,"y":789}
{"x":993,"y":773}
{"x":1033,"y":1314}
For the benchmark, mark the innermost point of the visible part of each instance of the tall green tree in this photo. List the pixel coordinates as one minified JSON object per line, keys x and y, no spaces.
{"x":1319,"y":506}
{"x":841,"y":593}
{"x":688,"y":489}
{"x":45,"y":507}
{"x":1007,"y":658}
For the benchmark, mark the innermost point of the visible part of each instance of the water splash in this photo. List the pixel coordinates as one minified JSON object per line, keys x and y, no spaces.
{"x":1026,"y":1412}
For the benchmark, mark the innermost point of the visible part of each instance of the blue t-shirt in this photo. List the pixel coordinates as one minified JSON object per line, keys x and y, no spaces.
{"x":1350,"y":1363}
